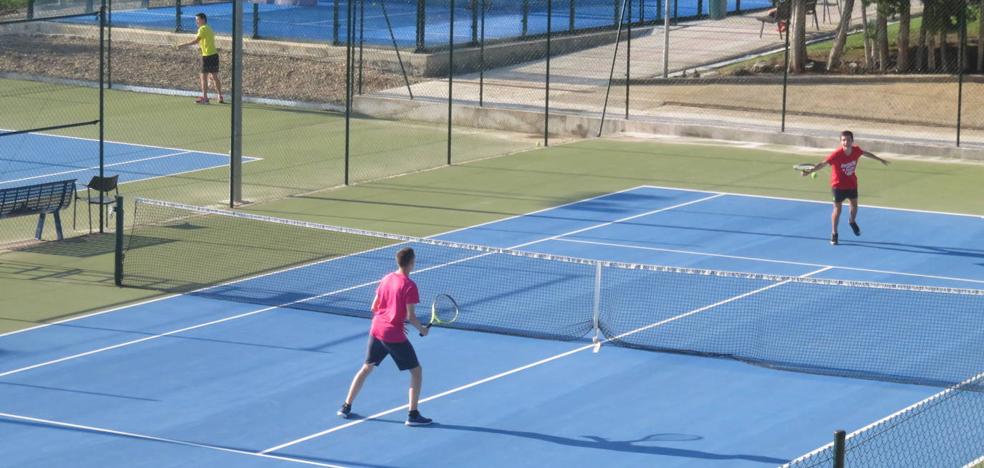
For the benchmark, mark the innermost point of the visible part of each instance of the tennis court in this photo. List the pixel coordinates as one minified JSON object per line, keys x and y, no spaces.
{"x":34,"y":158}
{"x":381,"y":23}
{"x":226,"y":377}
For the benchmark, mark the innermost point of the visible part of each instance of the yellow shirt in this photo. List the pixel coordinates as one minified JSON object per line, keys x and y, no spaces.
{"x":206,"y":40}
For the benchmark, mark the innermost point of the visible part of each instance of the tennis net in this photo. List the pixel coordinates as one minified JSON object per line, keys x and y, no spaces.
{"x":890,"y":332}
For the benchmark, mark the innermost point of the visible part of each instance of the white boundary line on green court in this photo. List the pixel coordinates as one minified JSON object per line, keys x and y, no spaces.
{"x":768,"y":260}
{"x":531,"y":365}
{"x":150,"y":438}
{"x":771,"y":197}
{"x":172,"y":296}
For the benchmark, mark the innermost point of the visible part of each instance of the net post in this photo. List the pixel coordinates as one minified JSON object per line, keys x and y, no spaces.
{"x":596,"y":312}
{"x":118,"y":258}
{"x":839,"y":448}
{"x":236,"y":133}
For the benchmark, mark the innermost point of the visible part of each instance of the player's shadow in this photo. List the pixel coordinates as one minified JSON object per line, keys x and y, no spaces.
{"x":644,"y":445}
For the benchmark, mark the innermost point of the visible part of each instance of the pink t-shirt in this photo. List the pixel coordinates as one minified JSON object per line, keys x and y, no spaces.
{"x":843,"y":167}
{"x":395,"y":291}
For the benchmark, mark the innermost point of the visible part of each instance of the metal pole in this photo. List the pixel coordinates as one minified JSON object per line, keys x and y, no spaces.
{"x":785,"y":81}
{"x":961,"y":65}
{"x":30,"y":9}
{"x":526,"y":17}
{"x":109,"y":47}
{"x":628,"y":58}
{"x":348,"y":85}
{"x":839,"y":450}
{"x":611,"y":73}
{"x":450,"y":77}
{"x":362,"y":30}
{"x":177,"y":16}
{"x":666,"y":38}
{"x":546,"y":103}
{"x":335,"y":23}
{"x":118,"y":251}
{"x":421,"y":25}
{"x":474,"y":21}
{"x":570,"y":21}
{"x":102,"y":108}
{"x":236,"y":133}
{"x":256,"y":21}
{"x":481,"y":53}
{"x":396,"y":47}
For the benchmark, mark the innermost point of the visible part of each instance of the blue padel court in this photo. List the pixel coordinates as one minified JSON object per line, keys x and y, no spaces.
{"x":35,"y":158}
{"x":374,"y":20}
{"x":199,"y":380}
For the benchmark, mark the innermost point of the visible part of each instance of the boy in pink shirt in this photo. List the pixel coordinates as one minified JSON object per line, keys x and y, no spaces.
{"x":843,"y":164}
{"x":394,"y":305}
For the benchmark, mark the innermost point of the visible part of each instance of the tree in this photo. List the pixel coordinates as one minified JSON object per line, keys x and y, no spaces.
{"x":905,"y":18}
{"x":840,"y":40}
{"x":881,"y":34}
{"x":797,"y":56}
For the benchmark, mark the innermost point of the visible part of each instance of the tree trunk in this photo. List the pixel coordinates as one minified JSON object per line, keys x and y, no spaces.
{"x":867,"y":45}
{"x":944,"y":64}
{"x":921,"y":52}
{"x":903,"y":38}
{"x":881,"y":34}
{"x":797,"y":58}
{"x":837,"y":51}
{"x":980,"y":38}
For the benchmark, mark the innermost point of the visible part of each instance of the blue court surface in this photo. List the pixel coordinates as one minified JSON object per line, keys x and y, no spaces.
{"x":502,"y":19}
{"x":193,"y":380}
{"x":34,"y":158}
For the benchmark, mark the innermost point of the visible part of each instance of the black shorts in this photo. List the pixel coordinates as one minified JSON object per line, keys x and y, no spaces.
{"x":844,"y":194}
{"x":210,"y":63}
{"x":402,"y":352}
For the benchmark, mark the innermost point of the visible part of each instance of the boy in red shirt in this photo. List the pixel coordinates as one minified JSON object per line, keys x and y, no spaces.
{"x":394,"y":304}
{"x":843,"y":163}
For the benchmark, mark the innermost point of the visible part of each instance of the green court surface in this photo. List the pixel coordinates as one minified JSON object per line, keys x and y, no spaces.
{"x":54,"y":280}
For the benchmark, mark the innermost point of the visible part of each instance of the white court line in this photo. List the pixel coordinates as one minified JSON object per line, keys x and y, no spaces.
{"x":311,"y":298}
{"x":84,"y":169}
{"x":111,"y":432}
{"x":815,"y":201}
{"x":529,"y":366}
{"x":768,"y":260}
{"x":974,"y":463}
{"x":95,"y":140}
{"x":172,"y":296}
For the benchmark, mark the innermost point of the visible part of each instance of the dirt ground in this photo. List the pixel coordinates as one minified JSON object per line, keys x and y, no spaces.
{"x":269,"y":76}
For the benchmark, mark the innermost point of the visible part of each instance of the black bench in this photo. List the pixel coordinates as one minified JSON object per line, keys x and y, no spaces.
{"x":39,"y":199}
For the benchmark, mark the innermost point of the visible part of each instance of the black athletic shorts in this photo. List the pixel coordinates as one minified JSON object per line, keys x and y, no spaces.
{"x":402,"y":352}
{"x":844,"y":194}
{"x":210,"y":63}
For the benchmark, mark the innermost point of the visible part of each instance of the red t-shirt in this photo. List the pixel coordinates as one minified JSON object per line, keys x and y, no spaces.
{"x":395,"y":291}
{"x":842,"y":167}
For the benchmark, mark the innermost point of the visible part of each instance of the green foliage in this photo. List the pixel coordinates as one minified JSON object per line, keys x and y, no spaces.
{"x":12,"y":5}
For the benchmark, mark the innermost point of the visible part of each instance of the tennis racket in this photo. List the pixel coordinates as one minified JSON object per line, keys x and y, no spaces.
{"x":444,"y":310}
{"x":805,"y":168}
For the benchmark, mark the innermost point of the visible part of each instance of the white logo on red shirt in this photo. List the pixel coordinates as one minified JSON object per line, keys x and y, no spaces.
{"x":849,"y":167}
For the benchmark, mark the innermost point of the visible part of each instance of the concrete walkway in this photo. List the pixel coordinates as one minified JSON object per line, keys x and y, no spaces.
{"x":578,"y":86}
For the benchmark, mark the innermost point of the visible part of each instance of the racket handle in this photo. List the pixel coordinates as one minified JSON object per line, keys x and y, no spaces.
{"x":427,"y":327}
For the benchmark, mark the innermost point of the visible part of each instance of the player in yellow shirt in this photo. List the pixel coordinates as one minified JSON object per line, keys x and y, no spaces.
{"x":210,"y":57}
